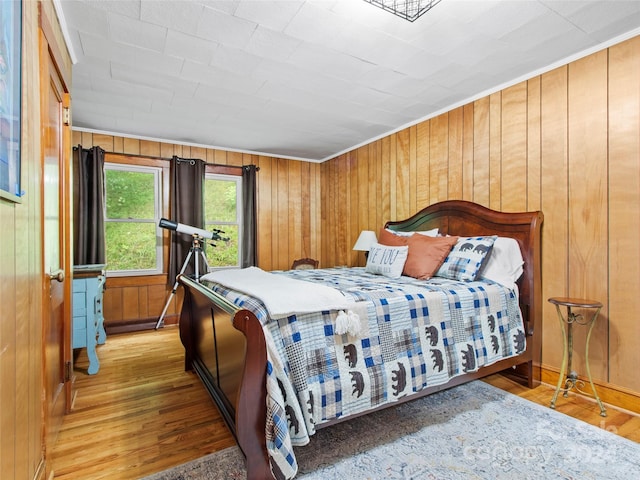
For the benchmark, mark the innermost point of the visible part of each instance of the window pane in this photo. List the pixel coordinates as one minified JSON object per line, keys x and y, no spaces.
{"x":224,"y":254}
{"x":220,"y":201}
{"x":130,"y":194}
{"x":131,"y":246}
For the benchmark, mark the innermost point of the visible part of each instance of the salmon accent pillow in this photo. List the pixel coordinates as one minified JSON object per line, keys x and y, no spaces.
{"x":387,"y":238}
{"x":425,"y":255}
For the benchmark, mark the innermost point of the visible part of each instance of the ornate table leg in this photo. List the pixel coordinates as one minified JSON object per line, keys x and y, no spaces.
{"x":603,"y":412}
{"x":565,"y":353}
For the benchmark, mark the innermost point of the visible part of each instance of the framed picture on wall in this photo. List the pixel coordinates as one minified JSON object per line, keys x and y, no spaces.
{"x":10,"y":99}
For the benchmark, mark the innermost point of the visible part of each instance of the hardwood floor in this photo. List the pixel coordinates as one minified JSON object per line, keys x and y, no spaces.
{"x":142,"y":413}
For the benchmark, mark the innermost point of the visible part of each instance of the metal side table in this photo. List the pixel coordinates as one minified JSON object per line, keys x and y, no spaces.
{"x":571,"y":380}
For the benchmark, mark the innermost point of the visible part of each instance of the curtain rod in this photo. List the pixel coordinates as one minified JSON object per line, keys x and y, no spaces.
{"x":165,"y":159}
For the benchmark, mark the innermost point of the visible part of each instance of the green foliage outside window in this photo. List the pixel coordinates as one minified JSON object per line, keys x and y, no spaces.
{"x":130,"y":246}
{"x":130,"y":227}
{"x":224,"y":254}
{"x":220,"y":210}
{"x":129,"y":194}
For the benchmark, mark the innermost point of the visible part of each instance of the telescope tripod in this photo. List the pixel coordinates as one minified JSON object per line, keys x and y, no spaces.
{"x":196,"y":249}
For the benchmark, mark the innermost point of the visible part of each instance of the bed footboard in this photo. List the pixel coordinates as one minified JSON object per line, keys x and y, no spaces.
{"x":225,"y":346}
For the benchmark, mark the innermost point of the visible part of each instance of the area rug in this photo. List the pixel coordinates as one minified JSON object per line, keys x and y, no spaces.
{"x":474,"y":431}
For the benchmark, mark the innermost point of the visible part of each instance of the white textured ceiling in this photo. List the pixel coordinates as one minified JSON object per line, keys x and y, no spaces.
{"x":310,"y":79}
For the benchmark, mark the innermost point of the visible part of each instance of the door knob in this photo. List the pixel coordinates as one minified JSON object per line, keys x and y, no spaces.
{"x":57,"y":275}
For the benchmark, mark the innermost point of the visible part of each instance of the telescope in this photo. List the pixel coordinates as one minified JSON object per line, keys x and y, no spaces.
{"x":197,"y":234}
{"x":189,"y":230}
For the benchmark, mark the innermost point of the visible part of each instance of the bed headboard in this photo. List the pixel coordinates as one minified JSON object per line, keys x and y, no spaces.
{"x":463,"y":218}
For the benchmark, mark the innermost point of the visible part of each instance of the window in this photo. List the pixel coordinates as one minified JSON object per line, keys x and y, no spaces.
{"x":223,"y":211}
{"x":133,"y":211}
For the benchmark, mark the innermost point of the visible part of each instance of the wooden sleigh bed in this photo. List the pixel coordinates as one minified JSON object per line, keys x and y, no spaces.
{"x":226,"y":347}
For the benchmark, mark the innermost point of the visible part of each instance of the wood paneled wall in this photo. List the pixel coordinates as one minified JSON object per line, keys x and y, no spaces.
{"x":21,"y":274}
{"x":566,"y":142}
{"x":288,"y":222}
{"x":288,"y":212}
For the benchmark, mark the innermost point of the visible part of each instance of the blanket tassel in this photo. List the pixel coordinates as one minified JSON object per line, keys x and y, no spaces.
{"x":348,"y":322}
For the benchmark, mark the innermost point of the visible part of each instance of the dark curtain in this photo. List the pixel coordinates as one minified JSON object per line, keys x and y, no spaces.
{"x":249,"y":208}
{"x":88,"y":206}
{"x":186,"y":207}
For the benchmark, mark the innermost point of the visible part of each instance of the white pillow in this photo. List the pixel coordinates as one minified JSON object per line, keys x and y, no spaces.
{"x":504,"y":264}
{"x":429,"y":233}
{"x":386,"y":260}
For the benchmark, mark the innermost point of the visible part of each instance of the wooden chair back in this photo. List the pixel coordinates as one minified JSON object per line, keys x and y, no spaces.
{"x":304,"y":264}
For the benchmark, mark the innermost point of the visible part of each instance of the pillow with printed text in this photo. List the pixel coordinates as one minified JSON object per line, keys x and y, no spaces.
{"x":386,"y":260}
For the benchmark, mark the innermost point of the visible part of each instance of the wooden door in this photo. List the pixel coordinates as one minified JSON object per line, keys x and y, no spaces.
{"x":56,"y":246}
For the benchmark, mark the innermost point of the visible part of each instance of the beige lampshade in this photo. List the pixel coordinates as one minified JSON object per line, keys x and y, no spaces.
{"x":365,"y":240}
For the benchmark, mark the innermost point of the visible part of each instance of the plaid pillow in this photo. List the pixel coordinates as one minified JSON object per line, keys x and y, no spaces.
{"x":466,"y":258}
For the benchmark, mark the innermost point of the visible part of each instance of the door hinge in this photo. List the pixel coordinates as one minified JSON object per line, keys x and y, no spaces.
{"x":66,"y":116}
{"x":67,"y":371}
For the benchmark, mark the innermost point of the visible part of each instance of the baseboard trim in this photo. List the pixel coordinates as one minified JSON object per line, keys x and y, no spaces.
{"x":620,"y":397}
{"x":139,"y":324}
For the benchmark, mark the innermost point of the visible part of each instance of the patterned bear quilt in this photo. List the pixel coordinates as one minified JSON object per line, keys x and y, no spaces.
{"x":412,"y":334}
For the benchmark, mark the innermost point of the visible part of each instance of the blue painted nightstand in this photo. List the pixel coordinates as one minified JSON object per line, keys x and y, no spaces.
{"x":88,"y":319}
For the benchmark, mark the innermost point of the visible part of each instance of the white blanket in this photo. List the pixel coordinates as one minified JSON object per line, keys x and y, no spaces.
{"x":282,"y":296}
